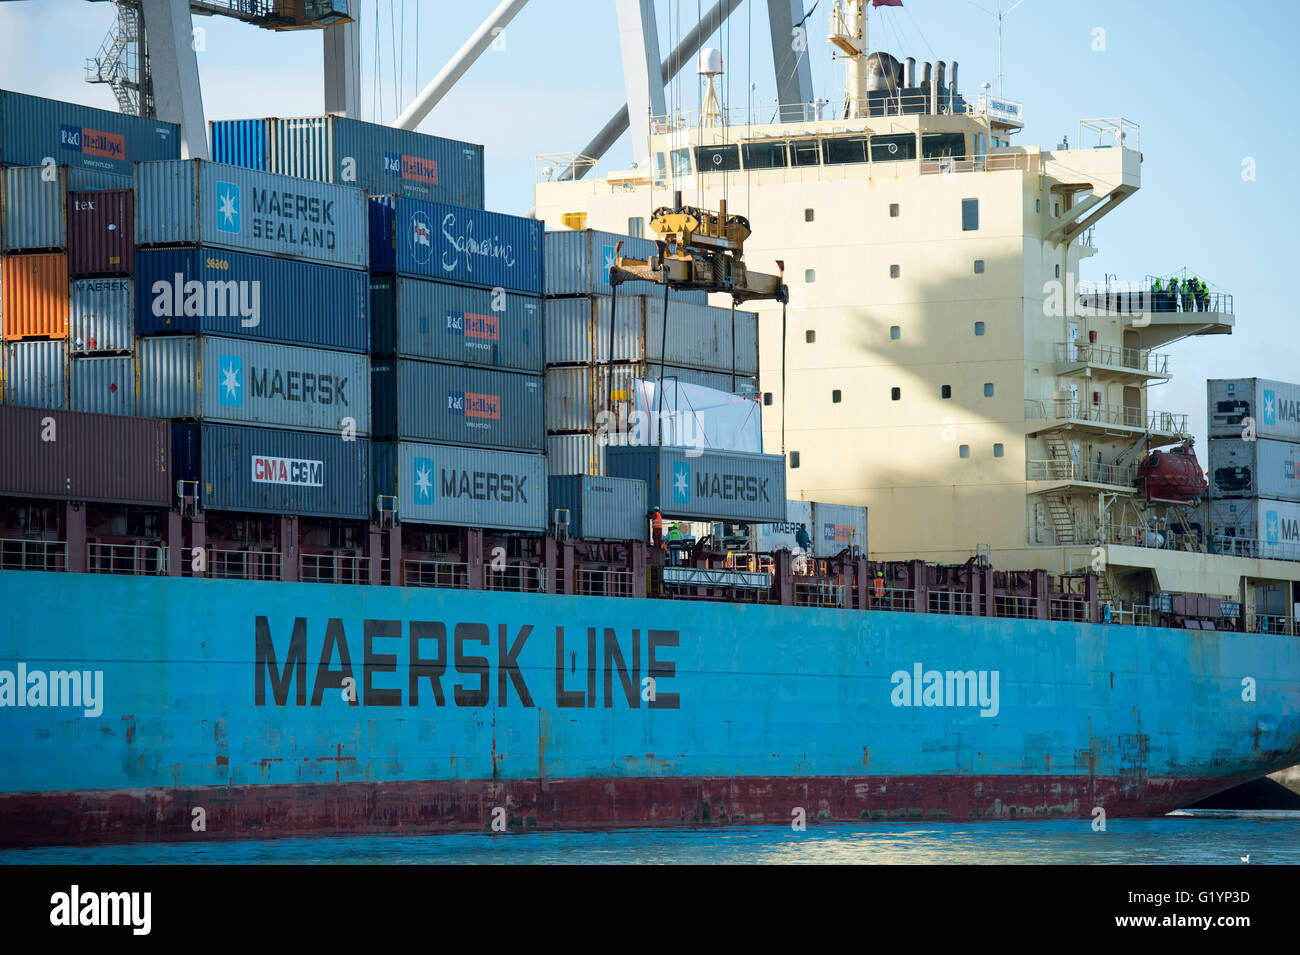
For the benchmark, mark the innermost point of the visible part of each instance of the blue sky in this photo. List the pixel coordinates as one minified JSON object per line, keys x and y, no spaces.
{"x":1203,"y":79}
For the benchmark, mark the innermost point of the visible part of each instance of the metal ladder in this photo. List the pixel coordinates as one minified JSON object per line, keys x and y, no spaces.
{"x":1062,"y":518}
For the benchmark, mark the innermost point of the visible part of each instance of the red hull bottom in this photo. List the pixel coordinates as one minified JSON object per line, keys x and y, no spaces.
{"x":417,"y":808}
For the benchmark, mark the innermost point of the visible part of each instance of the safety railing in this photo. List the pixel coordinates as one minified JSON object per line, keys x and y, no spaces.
{"x":435,"y":573}
{"x":1275,"y":623}
{"x":602,"y":583}
{"x":955,"y":602}
{"x":237,"y":564}
{"x":143,"y":559}
{"x":891,"y":598}
{"x":1067,"y":469}
{"x":819,"y":593}
{"x":1252,"y":548}
{"x":1072,"y":409}
{"x":994,"y":162}
{"x":1067,"y":607}
{"x":1015,"y":605}
{"x":20,"y":553}
{"x":520,"y":578}
{"x":1144,"y":301}
{"x":1112,"y":356}
{"x":333,"y":569}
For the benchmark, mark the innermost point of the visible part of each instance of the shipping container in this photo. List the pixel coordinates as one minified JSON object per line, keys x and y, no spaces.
{"x":219,"y":292}
{"x":37,"y":375}
{"x":34,"y":289}
{"x":104,"y":384}
{"x":193,"y":202}
{"x":239,"y":142}
{"x":244,"y":382}
{"x":102,"y":316}
{"x":575,"y":403}
{"x":1263,"y":468}
{"x":455,"y":244}
{"x":699,"y":336}
{"x":466,"y":487}
{"x":101,"y":233}
{"x":34,"y":200}
{"x":578,"y":261}
{"x":1256,"y":527}
{"x":418,"y":318}
{"x":575,"y":454}
{"x":33,"y":129}
{"x":600,"y":508}
{"x":455,"y":404}
{"x":92,"y":457}
{"x":835,"y":527}
{"x":1273,"y":406}
{"x":781,"y":535}
{"x":272,"y":471}
{"x":709,"y":485}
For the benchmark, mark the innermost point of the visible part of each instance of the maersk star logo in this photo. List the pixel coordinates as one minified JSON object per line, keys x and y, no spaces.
{"x":227,"y":206}
{"x":681,"y":483}
{"x":1270,"y":407}
{"x":232,"y":378}
{"x":1272,"y":533}
{"x":609,"y":261}
{"x":423,"y":479}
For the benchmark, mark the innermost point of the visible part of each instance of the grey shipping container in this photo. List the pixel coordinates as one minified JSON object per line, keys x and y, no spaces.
{"x":91,"y":457}
{"x":33,"y":129}
{"x":246,"y":382}
{"x":35,"y":202}
{"x":575,"y":454}
{"x":600,"y":508}
{"x":712,"y":485}
{"x":417,"y":318}
{"x":1257,"y":527}
{"x":578,"y":263}
{"x":456,"y":404}
{"x":1261,"y":468}
{"x":1274,"y":406}
{"x":102,"y":315}
{"x":37,"y":375}
{"x":575,"y":395}
{"x":837,"y":526}
{"x":779,"y":535}
{"x":272,"y":471}
{"x":188,"y":202}
{"x":699,"y":336}
{"x":104,"y":385}
{"x":468,"y":487}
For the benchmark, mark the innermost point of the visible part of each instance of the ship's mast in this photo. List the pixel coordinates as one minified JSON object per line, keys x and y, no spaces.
{"x":848,"y":33}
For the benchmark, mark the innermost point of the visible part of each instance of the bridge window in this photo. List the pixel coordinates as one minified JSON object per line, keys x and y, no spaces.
{"x":636,"y":227}
{"x":681,"y":162}
{"x":893,"y":148}
{"x":943,"y":145}
{"x":717,"y":158}
{"x":970,"y":215}
{"x":764,"y":155}
{"x":805,"y":152}
{"x":841,"y":152}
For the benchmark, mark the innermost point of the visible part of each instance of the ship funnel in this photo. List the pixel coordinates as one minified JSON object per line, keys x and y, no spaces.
{"x":952,"y":84}
{"x":935,"y":87}
{"x":882,"y":72}
{"x":909,"y":78}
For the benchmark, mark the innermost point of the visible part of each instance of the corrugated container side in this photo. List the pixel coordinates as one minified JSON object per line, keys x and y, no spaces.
{"x":38,"y":374}
{"x":94,"y":457}
{"x":1263,"y":468}
{"x":33,"y":128}
{"x":427,"y":401}
{"x":288,"y":301}
{"x":600,"y":508}
{"x":239,"y":142}
{"x":569,"y":399}
{"x":713,"y":485}
{"x":467,"y":246}
{"x":244,"y":382}
{"x":772,"y":537}
{"x":102,"y":315}
{"x":571,"y":325}
{"x":471,"y":487}
{"x":574,"y":401}
{"x":456,"y":323}
{"x":837,"y":526}
{"x":103,"y":385}
{"x":266,"y":470}
{"x":101,"y":232}
{"x":1274,"y":406}
{"x":35,"y":203}
{"x":1257,"y":527}
{"x":578,"y":261}
{"x":191,"y":202}
{"x":35,"y":295}
{"x":574,"y":454}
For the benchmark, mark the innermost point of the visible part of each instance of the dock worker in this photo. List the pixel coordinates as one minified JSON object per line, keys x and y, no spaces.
{"x":675,"y":532}
{"x":656,"y":527}
{"x":1189,"y":294}
{"x":1202,"y":293}
{"x":1175,"y":287}
{"x":1157,"y":296}
{"x":1105,"y":613}
{"x":802,"y":539}
{"x":879,"y":585}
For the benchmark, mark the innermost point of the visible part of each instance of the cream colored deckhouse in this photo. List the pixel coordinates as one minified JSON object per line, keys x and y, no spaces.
{"x":942,"y":365}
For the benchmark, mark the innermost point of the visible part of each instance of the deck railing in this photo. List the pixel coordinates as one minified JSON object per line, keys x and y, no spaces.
{"x":21,"y":553}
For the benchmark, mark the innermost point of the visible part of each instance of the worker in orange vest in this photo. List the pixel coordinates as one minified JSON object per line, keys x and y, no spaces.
{"x":880,"y":584}
{"x":656,"y":527}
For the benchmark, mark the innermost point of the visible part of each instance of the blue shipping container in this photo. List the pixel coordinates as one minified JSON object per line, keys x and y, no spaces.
{"x":266,"y":470}
{"x":456,"y":404}
{"x":418,"y":318}
{"x":239,"y":142}
{"x":220,"y":292}
{"x":456,"y":244}
{"x":34,"y":129}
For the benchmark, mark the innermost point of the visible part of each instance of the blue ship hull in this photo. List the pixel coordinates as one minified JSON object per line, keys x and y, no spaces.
{"x":221,"y":709}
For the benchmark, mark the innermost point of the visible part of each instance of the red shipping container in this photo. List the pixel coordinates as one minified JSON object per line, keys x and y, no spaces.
{"x":101,"y":233}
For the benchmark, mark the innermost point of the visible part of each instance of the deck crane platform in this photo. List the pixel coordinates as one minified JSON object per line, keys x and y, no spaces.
{"x":700,"y":250}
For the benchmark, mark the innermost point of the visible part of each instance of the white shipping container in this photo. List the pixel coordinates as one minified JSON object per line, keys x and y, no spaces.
{"x":1263,"y":468}
{"x":102,"y":315}
{"x":470,"y":487}
{"x":574,"y":454}
{"x":837,"y":526}
{"x":37,"y":376}
{"x":1273,"y":406}
{"x":1257,"y":527}
{"x":769,"y":538}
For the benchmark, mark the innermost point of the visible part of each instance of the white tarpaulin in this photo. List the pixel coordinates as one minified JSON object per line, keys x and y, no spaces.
{"x":693,"y":416}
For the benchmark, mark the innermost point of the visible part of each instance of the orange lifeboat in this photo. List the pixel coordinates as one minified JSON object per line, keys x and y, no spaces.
{"x":1172,"y":475}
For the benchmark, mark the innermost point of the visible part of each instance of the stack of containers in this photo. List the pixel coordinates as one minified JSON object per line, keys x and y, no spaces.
{"x":582,"y":377}
{"x":1254,"y":473}
{"x":456,"y":304}
{"x":253,"y":335}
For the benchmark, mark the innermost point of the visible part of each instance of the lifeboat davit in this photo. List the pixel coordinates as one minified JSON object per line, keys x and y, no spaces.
{"x":1172,"y":475}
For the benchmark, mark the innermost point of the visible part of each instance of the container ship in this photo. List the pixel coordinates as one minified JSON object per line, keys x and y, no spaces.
{"x":333,"y":502}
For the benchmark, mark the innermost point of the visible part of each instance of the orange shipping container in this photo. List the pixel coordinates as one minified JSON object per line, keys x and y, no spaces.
{"x":35,"y":301}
